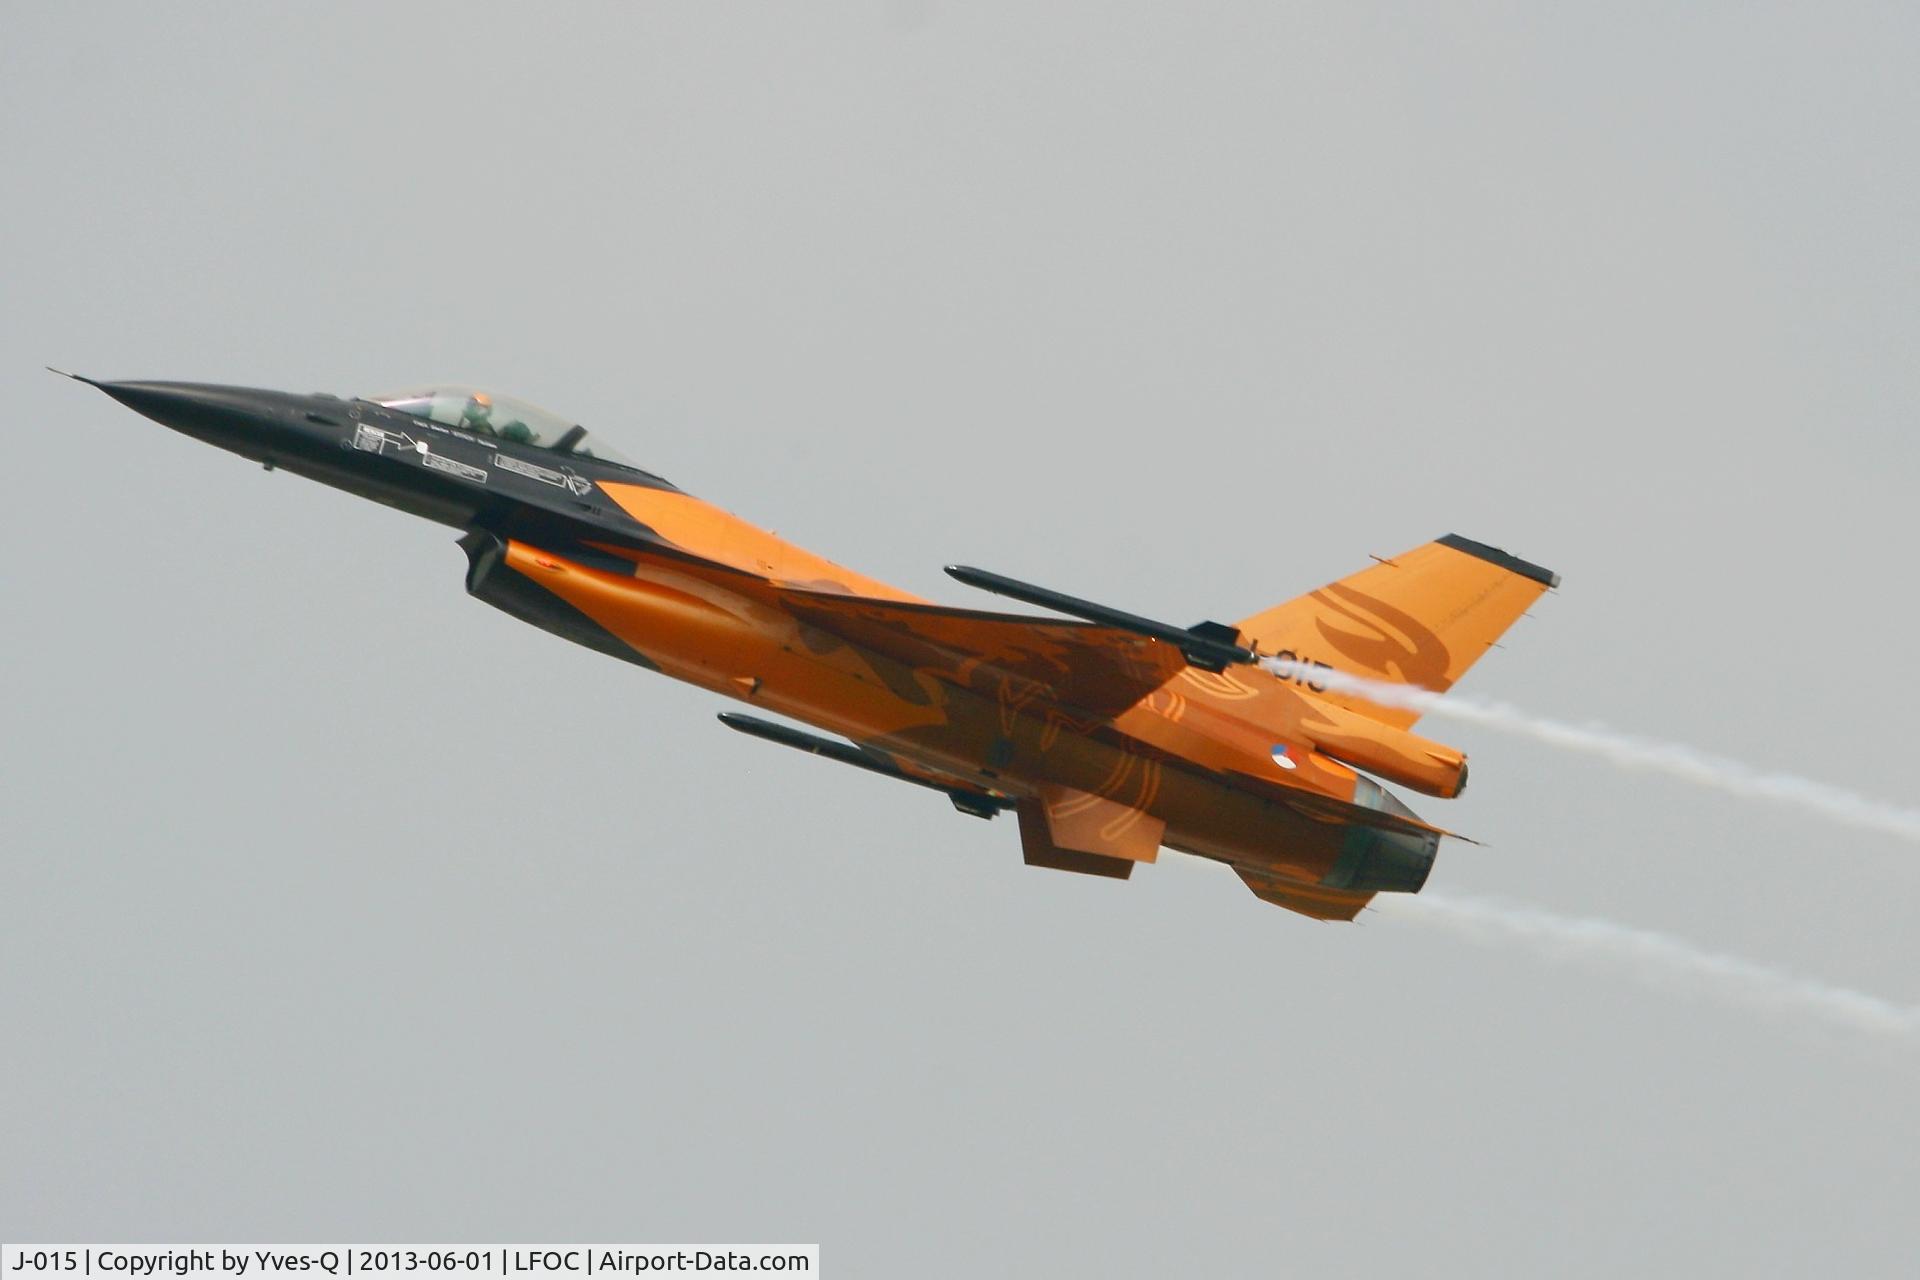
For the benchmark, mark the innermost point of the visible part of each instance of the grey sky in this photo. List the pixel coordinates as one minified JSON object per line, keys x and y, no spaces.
{"x":338,"y":905}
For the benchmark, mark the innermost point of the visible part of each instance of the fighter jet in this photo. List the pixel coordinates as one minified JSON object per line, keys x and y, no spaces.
{"x":1108,"y":735}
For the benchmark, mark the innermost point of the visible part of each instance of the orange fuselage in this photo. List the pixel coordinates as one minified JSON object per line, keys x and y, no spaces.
{"x":1109,"y":734}
{"x":1198,"y":752}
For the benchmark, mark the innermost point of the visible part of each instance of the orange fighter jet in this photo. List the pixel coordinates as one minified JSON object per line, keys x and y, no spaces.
{"x":1108,"y":735}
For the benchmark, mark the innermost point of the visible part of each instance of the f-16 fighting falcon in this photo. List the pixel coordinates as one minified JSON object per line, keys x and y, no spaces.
{"x":1108,"y":735}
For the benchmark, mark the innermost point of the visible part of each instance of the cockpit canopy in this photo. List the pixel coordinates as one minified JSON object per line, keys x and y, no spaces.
{"x":503,"y":417}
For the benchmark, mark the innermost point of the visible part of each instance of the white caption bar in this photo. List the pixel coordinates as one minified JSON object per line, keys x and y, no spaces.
{"x":310,"y":1261}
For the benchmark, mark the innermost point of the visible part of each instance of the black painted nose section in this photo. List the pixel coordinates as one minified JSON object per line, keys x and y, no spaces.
{"x":255,"y":423}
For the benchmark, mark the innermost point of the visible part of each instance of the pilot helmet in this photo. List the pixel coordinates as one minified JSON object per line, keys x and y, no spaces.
{"x":479,"y":411}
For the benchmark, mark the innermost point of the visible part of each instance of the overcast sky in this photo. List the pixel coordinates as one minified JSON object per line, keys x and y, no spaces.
{"x":339,"y":906}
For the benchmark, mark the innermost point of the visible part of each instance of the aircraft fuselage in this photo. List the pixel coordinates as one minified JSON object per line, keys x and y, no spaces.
{"x":624,"y":562}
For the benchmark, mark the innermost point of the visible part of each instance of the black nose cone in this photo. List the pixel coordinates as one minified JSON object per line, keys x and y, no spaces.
{"x":185,"y":404}
{"x":242,"y":419}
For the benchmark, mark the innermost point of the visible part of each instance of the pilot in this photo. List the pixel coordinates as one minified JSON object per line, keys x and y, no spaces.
{"x":478,"y":415}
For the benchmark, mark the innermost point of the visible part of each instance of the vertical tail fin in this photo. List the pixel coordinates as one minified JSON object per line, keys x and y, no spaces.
{"x":1421,"y":618}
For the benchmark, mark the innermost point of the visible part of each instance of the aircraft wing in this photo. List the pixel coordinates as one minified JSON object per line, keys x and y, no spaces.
{"x":1095,"y":669}
{"x":1102,"y":670}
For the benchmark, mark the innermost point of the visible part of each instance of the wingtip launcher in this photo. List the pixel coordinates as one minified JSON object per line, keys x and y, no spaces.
{"x":976,"y":804}
{"x":1210,"y":646}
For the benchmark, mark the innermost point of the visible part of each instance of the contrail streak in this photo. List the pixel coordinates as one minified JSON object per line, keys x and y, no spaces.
{"x":1673,"y":759}
{"x":1658,"y":959}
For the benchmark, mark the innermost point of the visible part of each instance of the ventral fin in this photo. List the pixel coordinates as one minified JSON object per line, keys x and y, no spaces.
{"x":1086,"y":823}
{"x":1071,"y":830}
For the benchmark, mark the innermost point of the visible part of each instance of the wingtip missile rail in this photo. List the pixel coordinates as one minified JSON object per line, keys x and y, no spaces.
{"x":978,"y":804}
{"x":1211,"y":646}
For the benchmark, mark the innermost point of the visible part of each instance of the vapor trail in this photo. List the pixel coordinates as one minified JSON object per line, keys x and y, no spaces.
{"x":1673,"y":759}
{"x":1657,"y":959}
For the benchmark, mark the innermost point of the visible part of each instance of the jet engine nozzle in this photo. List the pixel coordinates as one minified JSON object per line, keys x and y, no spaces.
{"x":1377,"y":861}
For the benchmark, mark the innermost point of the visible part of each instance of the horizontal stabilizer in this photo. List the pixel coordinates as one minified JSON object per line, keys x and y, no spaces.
{"x":1308,"y":899}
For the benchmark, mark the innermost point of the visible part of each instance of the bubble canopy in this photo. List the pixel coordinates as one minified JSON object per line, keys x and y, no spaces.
{"x":502,"y":417}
